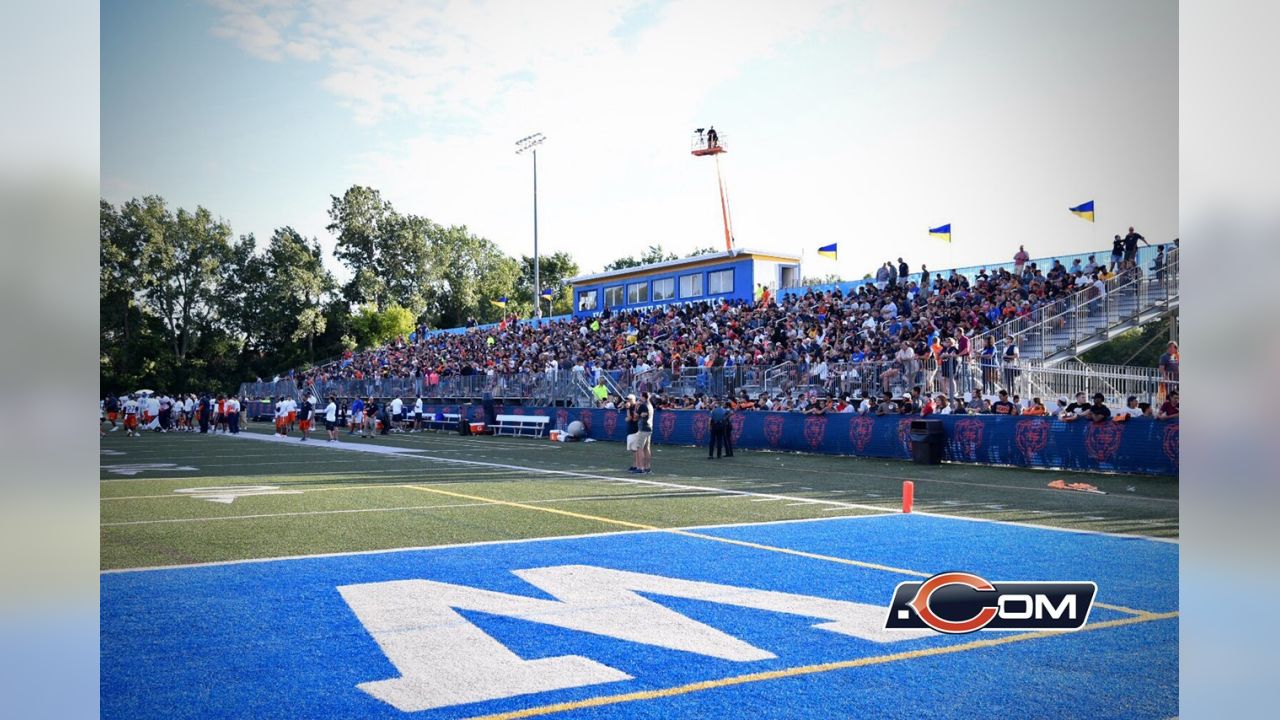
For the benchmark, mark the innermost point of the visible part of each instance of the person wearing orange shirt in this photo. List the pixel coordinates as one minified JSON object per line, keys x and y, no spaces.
{"x":1036,"y":408}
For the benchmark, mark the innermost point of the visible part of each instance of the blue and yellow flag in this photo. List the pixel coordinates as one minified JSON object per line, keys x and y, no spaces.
{"x":828,"y":251}
{"x":548,"y":293}
{"x":1084,"y":210}
{"x":500,"y":302}
{"x":942,"y":232}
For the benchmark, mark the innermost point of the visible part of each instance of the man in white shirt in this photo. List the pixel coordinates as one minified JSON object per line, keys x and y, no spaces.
{"x":291,"y":407}
{"x":417,"y":413}
{"x":1130,"y":409}
{"x":331,"y":419}
{"x":397,"y":414}
{"x":282,"y":417}
{"x":131,"y":416}
{"x":233,"y":415}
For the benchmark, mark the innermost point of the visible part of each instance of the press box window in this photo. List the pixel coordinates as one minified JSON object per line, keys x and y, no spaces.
{"x":637,"y":293}
{"x":613,"y":296}
{"x":691,"y":285}
{"x":720,"y":282}
{"x":664,"y":289}
{"x":587,"y":300}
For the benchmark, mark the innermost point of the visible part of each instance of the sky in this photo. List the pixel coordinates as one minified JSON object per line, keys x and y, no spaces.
{"x":858,"y":123}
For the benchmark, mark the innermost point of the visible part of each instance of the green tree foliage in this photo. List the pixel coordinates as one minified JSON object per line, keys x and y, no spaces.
{"x":827,"y":279}
{"x":553,"y":271}
{"x":387,"y":252}
{"x":653,"y":255}
{"x":1141,"y":347}
{"x":473,"y":272}
{"x":374,"y":327}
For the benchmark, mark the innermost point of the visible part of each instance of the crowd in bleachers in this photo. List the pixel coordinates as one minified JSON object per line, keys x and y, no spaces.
{"x":917,"y":332}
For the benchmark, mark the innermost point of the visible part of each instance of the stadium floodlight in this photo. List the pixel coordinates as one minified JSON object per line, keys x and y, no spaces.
{"x":531,"y":142}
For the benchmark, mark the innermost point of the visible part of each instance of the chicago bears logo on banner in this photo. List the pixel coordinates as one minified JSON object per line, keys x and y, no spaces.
{"x":815,"y":426}
{"x":477,"y":412}
{"x":968,"y":436}
{"x":585,"y":417}
{"x":860,"y":431}
{"x":735,"y":426}
{"x":701,"y":422}
{"x":1031,"y":437}
{"x":517,"y":411}
{"x":562,"y":418}
{"x":773,"y":429}
{"x":610,"y":422}
{"x":668,"y":424}
{"x":1102,"y":439}
{"x":1171,"y":443}
{"x":904,"y":435}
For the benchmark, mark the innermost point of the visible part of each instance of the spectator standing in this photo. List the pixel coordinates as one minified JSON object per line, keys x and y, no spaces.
{"x":1169,"y":362}
{"x":1020,"y":259}
{"x":719,"y":418}
{"x":1010,"y":361}
{"x":1131,"y":248}
{"x":1117,"y":253}
{"x":331,"y":419}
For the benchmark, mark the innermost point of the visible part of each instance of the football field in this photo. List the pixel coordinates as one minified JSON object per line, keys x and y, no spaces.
{"x":433,"y":575}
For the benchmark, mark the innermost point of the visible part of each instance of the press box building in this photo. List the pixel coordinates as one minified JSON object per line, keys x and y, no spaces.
{"x":730,"y":275}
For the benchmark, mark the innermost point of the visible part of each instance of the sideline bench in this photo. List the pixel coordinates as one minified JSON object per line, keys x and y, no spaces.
{"x":450,"y":422}
{"x":532,"y":425}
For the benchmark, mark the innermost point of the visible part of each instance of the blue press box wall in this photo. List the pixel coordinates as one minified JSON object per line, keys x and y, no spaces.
{"x":1142,"y":446}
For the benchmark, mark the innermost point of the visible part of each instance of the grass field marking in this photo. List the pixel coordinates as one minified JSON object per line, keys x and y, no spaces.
{"x":211,"y":518}
{"x":258,"y":516}
{"x":678,"y":531}
{"x":687,"y":688}
{"x":1083,"y":531}
{"x":715,"y":538}
{"x":571,"y":473}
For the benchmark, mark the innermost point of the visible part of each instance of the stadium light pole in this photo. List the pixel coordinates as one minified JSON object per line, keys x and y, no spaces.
{"x":531,"y":143}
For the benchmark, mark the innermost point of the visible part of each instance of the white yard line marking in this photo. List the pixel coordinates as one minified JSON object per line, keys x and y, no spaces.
{"x":580,"y":498}
{"x":566,"y":473}
{"x":479,"y":543}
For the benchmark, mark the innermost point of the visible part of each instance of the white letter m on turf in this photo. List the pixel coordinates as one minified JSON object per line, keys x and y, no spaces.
{"x":444,"y":660}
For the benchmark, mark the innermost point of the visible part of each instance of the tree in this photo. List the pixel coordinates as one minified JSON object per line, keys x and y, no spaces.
{"x":298,"y":285}
{"x":181,"y":257}
{"x":828,"y":279}
{"x":653,"y":255}
{"x":472,"y":272}
{"x":357,"y":219}
{"x":375,"y":327}
{"x":387,"y":252}
{"x":553,"y":271}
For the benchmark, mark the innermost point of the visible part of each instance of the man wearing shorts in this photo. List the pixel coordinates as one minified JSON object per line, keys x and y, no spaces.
{"x":397,"y":414}
{"x":131,"y":416}
{"x":633,"y":430}
{"x":644,"y":450}
{"x":305,"y":413}
{"x":417,"y":413}
{"x":357,"y":417}
{"x":282,"y":417}
{"x":291,"y":410}
{"x":112,"y":408}
{"x":331,"y":419}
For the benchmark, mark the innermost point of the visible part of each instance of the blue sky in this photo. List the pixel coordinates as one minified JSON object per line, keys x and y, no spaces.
{"x":861,"y":123}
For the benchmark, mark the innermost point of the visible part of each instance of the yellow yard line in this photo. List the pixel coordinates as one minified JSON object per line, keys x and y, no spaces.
{"x":808,"y":670}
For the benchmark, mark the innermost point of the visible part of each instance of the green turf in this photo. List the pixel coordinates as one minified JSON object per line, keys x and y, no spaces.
{"x":344,"y":501}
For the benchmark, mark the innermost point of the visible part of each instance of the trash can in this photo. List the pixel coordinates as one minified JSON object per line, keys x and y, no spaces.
{"x":928,"y":440}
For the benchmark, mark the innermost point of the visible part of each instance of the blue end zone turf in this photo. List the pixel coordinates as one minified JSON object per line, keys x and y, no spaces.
{"x":277,"y":640}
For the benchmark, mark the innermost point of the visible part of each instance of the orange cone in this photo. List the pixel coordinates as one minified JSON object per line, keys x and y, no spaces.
{"x":908,"y":495}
